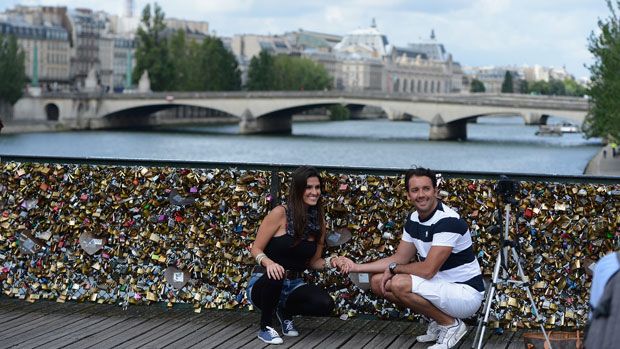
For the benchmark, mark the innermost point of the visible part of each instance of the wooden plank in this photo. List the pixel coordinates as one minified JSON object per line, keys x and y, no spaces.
{"x":41,"y":335}
{"x":366,"y":334}
{"x":467,"y":341}
{"x":148,"y":331}
{"x":233,"y":329}
{"x":177,"y":333}
{"x":179,"y":337}
{"x":126,"y":328}
{"x":306,"y":326}
{"x":407,"y":338}
{"x":241,"y":339}
{"x":389,"y":334}
{"x":516,"y":341}
{"x":38,"y":325}
{"x":68,"y":334}
{"x":344,"y":333}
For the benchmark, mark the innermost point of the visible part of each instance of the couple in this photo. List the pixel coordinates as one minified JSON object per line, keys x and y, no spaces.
{"x":445,"y":284}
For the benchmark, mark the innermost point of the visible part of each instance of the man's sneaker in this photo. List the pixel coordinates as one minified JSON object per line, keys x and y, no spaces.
{"x":288,"y":326}
{"x":270,"y":336}
{"x":432,"y":333}
{"x":449,"y":336}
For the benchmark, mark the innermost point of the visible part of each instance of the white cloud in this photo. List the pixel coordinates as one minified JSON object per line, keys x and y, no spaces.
{"x":476,"y":32}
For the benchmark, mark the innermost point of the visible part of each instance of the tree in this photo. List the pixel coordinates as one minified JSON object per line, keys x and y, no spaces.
{"x":286,"y":73}
{"x":523,"y":86}
{"x":603,"y":119}
{"x":261,"y":74}
{"x":539,"y":87}
{"x":476,"y":86}
{"x":507,"y":86}
{"x":218,"y":67}
{"x":152,"y":51}
{"x":573,"y":88}
{"x":12,"y":70}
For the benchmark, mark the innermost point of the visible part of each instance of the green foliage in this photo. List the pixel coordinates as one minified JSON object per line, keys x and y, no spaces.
{"x":507,"y":85}
{"x":152,"y":52}
{"x":286,"y":73}
{"x":604,"y":117}
{"x":523,"y":86}
{"x":12,"y":70}
{"x":217,"y":67}
{"x":476,"y":86}
{"x":261,"y":74}
{"x":553,"y":87}
{"x":339,"y":112}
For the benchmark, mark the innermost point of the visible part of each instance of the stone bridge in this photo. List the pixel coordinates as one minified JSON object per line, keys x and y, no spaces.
{"x":265,"y":112}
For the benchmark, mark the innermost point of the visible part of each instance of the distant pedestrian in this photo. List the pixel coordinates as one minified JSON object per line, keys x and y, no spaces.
{"x":604,"y":153}
{"x":1,"y":125}
{"x":614,"y":146}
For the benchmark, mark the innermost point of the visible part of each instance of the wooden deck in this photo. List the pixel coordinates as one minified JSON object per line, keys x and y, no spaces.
{"x":86,"y":325}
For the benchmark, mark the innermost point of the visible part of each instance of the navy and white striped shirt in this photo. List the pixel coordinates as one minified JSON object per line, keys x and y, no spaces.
{"x":445,"y":227}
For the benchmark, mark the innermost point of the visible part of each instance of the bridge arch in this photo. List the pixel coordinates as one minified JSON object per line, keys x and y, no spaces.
{"x":52,"y":112}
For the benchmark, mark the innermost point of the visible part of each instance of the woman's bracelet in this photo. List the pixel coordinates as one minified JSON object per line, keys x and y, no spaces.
{"x":328,"y":262}
{"x":259,"y":258}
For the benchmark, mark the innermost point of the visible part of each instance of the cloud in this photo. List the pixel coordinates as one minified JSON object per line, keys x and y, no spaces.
{"x":476,"y":32}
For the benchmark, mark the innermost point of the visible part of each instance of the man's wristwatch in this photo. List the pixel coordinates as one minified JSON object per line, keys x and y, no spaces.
{"x":392,"y":268}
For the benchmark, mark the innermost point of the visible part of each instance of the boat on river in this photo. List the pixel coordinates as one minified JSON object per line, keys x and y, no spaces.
{"x":557,"y":129}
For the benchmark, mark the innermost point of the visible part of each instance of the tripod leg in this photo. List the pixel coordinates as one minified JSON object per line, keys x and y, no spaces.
{"x":484,"y":317}
{"x":525,"y":280}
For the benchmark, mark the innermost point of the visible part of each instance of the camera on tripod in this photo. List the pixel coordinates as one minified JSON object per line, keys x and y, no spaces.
{"x":507,"y":188}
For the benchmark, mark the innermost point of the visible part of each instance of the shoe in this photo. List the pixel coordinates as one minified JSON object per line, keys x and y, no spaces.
{"x":449,"y":336}
{"x":269,"y":336}
{"x":288,"y":326}
{"x":432,"y":333}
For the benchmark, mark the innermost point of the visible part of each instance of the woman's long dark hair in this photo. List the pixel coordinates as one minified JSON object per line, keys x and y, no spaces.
{"x":299,"y":181}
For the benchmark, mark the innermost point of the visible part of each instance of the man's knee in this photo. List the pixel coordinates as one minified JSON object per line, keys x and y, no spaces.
{"x":375,"y":284}
{"x":400,"y":284}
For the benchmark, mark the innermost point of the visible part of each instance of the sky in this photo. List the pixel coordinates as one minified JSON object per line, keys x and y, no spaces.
{"x":476,"y":32}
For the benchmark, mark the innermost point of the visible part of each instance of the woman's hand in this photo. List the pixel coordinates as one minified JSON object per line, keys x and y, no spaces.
{"x":344,"y":264}
{"x":275,"y":271}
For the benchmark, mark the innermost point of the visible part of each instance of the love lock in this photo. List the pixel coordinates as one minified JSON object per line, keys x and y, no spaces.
{"x":176,"y":277}
{"x":339,"y":237}
{"x":90,"y":243}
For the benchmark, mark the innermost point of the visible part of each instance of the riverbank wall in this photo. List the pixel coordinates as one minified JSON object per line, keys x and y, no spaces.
{"x":110,"y":231}
{"x":604,"y":163}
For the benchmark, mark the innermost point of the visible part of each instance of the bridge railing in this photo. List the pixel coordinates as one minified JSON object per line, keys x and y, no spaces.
{"x":109,"y":230}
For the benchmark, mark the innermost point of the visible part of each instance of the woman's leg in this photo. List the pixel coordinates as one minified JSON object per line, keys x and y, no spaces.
{"x":308,"y":300}
{"x":265,"y":296}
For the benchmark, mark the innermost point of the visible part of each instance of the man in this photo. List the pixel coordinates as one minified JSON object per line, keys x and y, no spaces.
{"x":446,"y":283}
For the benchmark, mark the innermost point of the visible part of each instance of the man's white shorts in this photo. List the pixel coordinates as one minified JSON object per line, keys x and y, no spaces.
{"x":457,"y":300}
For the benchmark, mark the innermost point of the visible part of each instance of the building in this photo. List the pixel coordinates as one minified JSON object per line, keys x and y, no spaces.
{"x":46,"y":45}
{"x":493,"y":77}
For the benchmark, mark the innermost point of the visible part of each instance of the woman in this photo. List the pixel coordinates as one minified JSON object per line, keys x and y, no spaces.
{"x":289,"y":240}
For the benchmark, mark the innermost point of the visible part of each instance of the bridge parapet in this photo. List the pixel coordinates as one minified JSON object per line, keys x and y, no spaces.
{"x":136,"y":229}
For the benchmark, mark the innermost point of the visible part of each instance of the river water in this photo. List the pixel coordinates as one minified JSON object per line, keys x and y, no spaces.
{"x":494,"y":144}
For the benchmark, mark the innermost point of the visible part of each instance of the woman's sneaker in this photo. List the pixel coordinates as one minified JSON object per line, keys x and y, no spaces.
{"x":432,"y":333}
{"x":288,"y":326}
{"x":270,"y":336}
{"x":449,"y":336}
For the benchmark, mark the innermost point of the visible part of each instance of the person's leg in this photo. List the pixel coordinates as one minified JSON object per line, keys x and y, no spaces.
{"x":400,"y":286}
{"x":308,"y":300}
{"x":265,"y":296}
{"x":375,"y":287}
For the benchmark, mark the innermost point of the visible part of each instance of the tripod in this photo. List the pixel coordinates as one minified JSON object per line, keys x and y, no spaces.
{"x":508,"y":249}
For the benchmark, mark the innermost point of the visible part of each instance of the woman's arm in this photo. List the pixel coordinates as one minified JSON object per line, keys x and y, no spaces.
{"x":318,"y":263}
{"x":267,"y":229}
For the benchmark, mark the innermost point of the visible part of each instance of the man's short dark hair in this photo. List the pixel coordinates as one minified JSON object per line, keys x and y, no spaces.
{"x":420,"y":172}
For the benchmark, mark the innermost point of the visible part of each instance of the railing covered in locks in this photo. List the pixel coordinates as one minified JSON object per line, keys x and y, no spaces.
{"x":139,"y":232}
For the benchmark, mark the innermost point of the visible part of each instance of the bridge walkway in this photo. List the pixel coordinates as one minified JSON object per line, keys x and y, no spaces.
{"x":89,"y":325}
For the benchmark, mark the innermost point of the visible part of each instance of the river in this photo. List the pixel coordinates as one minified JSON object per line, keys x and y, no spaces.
{"x":494,"y":144}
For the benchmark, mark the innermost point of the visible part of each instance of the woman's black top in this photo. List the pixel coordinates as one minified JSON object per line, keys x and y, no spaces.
{"x":284,"y":251}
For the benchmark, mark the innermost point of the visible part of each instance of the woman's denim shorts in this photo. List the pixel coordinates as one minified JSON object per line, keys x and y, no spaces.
{"x":288,"y":287}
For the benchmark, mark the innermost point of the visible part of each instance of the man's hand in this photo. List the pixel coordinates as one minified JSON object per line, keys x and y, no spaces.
{"x":387,"y":276}
{"x":345,"y":265}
